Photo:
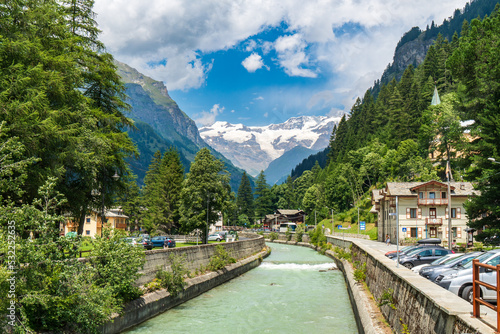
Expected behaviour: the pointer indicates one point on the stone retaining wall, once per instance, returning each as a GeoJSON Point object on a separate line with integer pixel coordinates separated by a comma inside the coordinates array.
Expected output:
{"type": "Point", "coordinates": [416, 305]}
{"type": "Point", "coordinates": [198, 256]}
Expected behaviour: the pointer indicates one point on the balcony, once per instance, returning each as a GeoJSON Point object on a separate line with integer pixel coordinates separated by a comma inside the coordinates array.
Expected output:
{"type": "Point", "coordinates": [433, 201]}
{"type": "Point", "coordinates": [433, 221]}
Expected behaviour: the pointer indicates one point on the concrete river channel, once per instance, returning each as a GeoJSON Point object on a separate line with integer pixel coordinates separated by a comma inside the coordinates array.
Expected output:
{"type": "Point", "coordinates": [294, 290]}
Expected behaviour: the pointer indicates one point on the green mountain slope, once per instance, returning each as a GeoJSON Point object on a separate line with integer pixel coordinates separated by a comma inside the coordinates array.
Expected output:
{"type": "Point", "coordinates": [161, 124]}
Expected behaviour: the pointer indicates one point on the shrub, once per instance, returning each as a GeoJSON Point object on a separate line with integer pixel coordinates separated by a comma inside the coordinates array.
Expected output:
{"type": "Point", "coordinates": [172, 280]}
{"type": "Point", "coordinates": [360, 271]}
{"type": "Point", "coordinates": [273, 236]}
{"type": "Point", "coordinates": [220, 259]}
{"type": "Point", "coordinates": [288, 234]}
{"type": "Point", "coordinates": [299, 232]}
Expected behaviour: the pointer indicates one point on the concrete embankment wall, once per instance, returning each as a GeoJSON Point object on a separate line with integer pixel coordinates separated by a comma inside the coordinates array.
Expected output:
{"type": "Point", "coordinates": [413, 304]}
{"type": "Point", "coordinates": [249, 254]}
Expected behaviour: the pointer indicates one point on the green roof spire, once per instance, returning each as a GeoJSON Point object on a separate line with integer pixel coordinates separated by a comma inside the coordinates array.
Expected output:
{"type": "Point", "coordinates": [435, 98]}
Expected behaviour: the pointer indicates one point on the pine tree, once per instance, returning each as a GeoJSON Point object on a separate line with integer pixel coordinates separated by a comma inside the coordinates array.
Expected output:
{"type": "Point", "coordinates": [204, 193]}
{"type": "Point", "coordinates": [263, 203]}
{"type": "Point", "coordinates": [244, 198]}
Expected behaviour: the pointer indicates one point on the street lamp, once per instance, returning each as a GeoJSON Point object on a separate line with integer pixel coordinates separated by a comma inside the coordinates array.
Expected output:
{"type": "Point", "coordinates": [115, 178]}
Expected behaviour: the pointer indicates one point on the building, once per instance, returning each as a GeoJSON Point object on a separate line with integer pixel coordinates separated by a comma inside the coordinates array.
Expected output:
{"type": "Point", "coordinates": [273, 221]}
{"type": "Point", "coordinates": [422, 208]}
{"type": "Point", "coordinates": [115, 219]}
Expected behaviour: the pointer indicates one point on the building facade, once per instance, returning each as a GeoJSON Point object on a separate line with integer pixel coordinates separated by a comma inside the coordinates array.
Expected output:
{"type": "Point", "coordinates": [114, 219]}
{"type": "Point", "coordinates": [422, 209]}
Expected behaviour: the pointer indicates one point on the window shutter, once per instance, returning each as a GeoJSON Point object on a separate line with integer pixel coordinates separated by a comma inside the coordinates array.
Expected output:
{"type": "Point", "coordinates": [419, 232]}
{"type": "Point", "coordinates": [446, 233]}
{"type": "Point", "coordinates": [446, 213]}
{"type": "Point", "coordinates": [407, 213]}
{"type": "Point", "coordinates": [459, 232]}
{"type": "Point", "coordinates": [419, 213]}
{"type": "Point", "coordinates": [459, 213]}
{"type": "Point", "coordinates": [408, 232]}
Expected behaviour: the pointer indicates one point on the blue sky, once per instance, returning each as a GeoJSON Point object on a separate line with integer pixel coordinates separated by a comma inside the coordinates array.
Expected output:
{"type": "Point", "coordinates": [258, 62]}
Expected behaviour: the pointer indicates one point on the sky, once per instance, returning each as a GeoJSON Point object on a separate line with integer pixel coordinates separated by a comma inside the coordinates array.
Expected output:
{"type": "Point", "coordinates": [259, 62]}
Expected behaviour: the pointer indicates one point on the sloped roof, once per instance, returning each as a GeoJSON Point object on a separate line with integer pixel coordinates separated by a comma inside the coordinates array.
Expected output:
{"type": "Point", "coordinates": [290, 212]}
{"type": "Point", "coordinates": [411, 188]}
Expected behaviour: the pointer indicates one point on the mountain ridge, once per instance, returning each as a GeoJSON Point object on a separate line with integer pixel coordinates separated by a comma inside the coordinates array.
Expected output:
{"type": "Point", "coordinates": [253, 148]}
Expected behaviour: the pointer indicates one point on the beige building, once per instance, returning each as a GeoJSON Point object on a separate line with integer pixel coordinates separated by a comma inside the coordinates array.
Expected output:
{"type": "Point", "coordinates": [422, 210]}
{"type": "Point", "coordinates": [115, 219]}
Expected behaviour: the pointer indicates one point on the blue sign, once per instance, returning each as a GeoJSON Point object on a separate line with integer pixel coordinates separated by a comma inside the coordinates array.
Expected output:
{"type": "Point", "coordinates": [362, 226]}
{"type": "Point", "coordinates": [404, 229]}
{"type": "Point", "coordinates": [339, 227]}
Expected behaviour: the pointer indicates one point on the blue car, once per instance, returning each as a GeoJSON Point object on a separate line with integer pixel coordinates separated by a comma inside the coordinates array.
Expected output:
{"type": "Point", "coordinates": [163, 241]}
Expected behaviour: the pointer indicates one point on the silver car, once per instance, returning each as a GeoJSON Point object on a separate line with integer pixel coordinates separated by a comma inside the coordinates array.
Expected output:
{"type": "Point", "coordinates": [459, 281]}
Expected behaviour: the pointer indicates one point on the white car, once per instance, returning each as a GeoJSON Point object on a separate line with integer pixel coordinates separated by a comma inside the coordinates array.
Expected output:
{"type": "Point", "coordinates": [441, 260]}
{"type": "Point", "coordinates": [459, 281]}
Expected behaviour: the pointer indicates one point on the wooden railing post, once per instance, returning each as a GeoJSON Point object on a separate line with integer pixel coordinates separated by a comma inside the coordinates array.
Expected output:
{"type": "Point", "coordinates": [498, 296]}
{"type": "Point", "coordinates": [475, 288]}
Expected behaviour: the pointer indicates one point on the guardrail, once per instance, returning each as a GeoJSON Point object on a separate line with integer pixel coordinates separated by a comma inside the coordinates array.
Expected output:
{"type": "Point", "coordinates": [476, 290]}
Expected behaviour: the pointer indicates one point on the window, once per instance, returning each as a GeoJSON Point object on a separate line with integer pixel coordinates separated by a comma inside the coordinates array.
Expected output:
{"type": "Point", "coordinates": [432, 213]}
{"type": "Point", "coordinates": [440, 252]}
{"type": "Point", "coordinates": [87, 232]}
{"type": "Point", "coordinates": [421, 195]}
{"type": "Point", "coordinates": [494, 261]}
{"type": "Point", "coordinates": [413, 213]}
{"type": "Point", "coordinates": [413, 232]}
{"type": "Point", "coordinates": [427, 252]}
{"type": "Point", "coordinates": [453, 229]}
{"type": "Point", "coordinates": [87, 220]}
{"type": "Point", "coordinates": [453, 212]}
{"type": "Point", "coordinates": [432, 195]}
{"type": "Point", "coordinates": [443, 194]}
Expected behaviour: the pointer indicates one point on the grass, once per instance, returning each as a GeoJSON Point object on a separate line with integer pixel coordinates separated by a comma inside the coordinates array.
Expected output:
{"type": "Point", "coordinates": [371, 230]}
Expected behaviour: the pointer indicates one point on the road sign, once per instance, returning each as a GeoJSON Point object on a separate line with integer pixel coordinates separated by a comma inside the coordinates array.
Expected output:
{"type": "Point", "coordinates": [404, 229]}
{"type": "Point", "coordinates": [362, 226]}
{"type": "Point", "coordinates": [339, 227]}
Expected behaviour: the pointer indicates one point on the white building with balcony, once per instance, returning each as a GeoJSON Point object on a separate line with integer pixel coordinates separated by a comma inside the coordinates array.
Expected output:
{"type": "Point", "coordinates": [422, 210]}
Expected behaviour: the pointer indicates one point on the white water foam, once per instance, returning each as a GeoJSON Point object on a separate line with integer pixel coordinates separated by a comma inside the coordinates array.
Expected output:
{"type": "Point", "coordinates": [296, 266]}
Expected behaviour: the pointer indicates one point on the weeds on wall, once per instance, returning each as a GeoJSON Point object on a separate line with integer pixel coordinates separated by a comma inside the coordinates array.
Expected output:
{"type": "Point", "coordinates": [172, 280]}
{"type": "Point", "coordinates": [387, 298]}
{"type": "Point", "coordinates": [220, 259]}
{"type": "Point", "coordinates": [299, 232]}
{"type": "Point", "coordinates": [359, 271]}
{"type": "Point", "coordinates": [341, 253]}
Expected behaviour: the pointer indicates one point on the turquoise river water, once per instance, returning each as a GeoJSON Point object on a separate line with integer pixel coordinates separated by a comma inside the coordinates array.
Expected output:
{"type": "Point", "coordinates": [287, 293]}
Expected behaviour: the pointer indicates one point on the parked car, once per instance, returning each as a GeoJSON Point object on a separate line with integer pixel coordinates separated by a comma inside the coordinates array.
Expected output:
{"type": "Point", "coordinates": [215, 237]}
{"type": "Point", "coordinates": [158, 241]}
{"type": "Point", "coordinates": [433, 271]}
{"type": "Point", "coordinates": [146, 242]}
{"type": "Point", "coordinates": [459, 281]}
{"type": "Point", "coordinates": [436, 262]}
{"type": "Point", "coordinates": [423, 255]}
{"type": "Point", "coordinates": [169, 242]}
{"type": "Point", "coordinates": [428, 242]}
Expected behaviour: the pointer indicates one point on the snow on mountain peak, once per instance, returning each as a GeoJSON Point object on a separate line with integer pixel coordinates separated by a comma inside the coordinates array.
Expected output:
{"type": "Point", "coordinates": [253, 148]}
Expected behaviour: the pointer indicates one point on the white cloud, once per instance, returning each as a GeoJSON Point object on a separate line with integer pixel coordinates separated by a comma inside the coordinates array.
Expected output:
{"type": "Point", "coordinates": [180, 31]}
{"type": "Point", "coordinates": [259, 98]}
{"type": "Point", "coordinates": [253, 62]}
{"type": "Point", "coordinates": [206, 118]}
{"type": "Point", "coordinates": [292, 56]}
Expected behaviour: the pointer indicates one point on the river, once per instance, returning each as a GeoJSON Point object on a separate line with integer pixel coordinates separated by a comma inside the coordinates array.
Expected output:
{"type": "Point", "coordinates": [293, 291]}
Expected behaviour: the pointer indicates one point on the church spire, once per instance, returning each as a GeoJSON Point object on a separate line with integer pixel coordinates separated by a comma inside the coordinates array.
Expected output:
{"type": "Point", "coordinates": [435, 98]}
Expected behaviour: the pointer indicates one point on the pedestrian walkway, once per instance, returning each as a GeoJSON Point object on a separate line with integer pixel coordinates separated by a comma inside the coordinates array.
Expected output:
{"type": "Point", "coordinates": [488, 316]}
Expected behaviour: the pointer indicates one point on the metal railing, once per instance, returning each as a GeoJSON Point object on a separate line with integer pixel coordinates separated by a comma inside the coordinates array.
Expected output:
{"type": "Point", "coordinates": [476, 290]}
{"type": "Point", "coordinates": [432, 201]}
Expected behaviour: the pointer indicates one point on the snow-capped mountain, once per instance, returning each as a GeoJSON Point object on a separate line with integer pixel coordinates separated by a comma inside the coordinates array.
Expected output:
{"type": "Point", "coordinates": [253, 148]}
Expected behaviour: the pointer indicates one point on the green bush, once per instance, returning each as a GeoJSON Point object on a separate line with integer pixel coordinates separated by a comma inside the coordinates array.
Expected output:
{"type": "Point", "coordinates": [220, 259]}
{"type": "Point", "coordinates": [288, 234]}
{"type": "Point", "coordinates": [299, 232]}
{"type": "Point", "coordinates": [172, 280]}
{"type": "Point", "coordinates": [273, 236]}
{"type": "Point", "coordinates": [359, 271]}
